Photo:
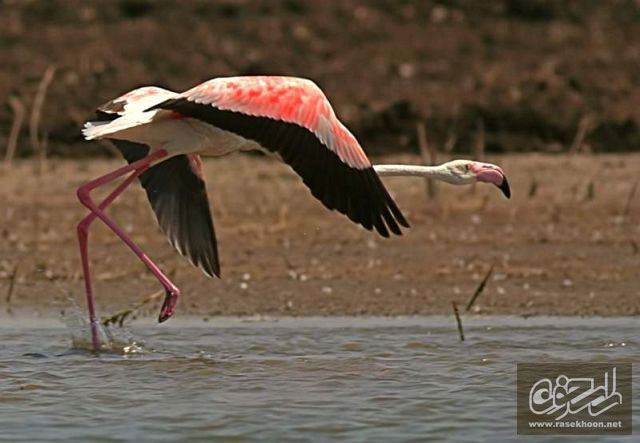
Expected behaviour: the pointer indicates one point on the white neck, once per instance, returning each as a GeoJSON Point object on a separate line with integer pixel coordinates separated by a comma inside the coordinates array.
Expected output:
{"type": "Point", "coordinates": [438, 172]}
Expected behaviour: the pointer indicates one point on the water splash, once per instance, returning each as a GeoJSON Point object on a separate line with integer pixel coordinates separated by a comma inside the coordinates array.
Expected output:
{"type": "Point", "coordinates": [118, 341]}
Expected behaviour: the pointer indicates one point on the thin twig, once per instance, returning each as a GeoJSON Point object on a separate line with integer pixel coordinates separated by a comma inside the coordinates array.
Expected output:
{"type": "Point", "coordinates": [18, 112]}
{"type": "Point", "coordinates": [584, 127]}
{"type": "Point", "coordinates": [458, 320]}
{"type": "Point", "coordinates": [429, 156]}
{"type": "Point", "coordinates": [479, 289]}
{"type": "Point", "coordinates": [36, 111]}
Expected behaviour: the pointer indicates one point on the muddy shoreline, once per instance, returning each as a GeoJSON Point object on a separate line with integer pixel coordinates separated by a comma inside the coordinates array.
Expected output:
{"type": "Point", "coordinates": [565, 244]}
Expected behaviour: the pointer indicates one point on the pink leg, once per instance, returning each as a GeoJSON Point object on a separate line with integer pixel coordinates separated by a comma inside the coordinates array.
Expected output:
{"type": "Point", "coordinates": [97, 211]}
{"type": "Point", "coordinates": [83, 234]}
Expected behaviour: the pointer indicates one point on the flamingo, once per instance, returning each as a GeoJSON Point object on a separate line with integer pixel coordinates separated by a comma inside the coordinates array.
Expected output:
{"type": "Point", "coordinates": [162, 134]}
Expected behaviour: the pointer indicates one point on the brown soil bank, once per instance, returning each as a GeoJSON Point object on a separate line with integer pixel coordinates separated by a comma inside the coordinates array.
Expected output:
{"type": "Point", "coordinates": [528, 71]}
{"type": "Point", "coordinates": [566, 243]}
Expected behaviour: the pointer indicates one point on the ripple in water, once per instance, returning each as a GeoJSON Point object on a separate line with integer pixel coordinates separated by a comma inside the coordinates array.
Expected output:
{"type": "Point", "coordinates": [346, 379]}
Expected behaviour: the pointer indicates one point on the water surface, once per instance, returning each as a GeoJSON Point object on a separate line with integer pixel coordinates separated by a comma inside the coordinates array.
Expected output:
{"type": "Point", "coordinates": [313, 379]}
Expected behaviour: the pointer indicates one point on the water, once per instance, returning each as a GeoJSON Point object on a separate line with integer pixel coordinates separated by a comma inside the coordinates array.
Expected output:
{"type": "Point", "coordinates": [318, 379]}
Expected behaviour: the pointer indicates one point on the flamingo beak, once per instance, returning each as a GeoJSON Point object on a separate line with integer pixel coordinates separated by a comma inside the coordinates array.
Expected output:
{"type": "Point", "coordinates": [504, 187]}
{"type": "Point", "coordinates": [492, 174]}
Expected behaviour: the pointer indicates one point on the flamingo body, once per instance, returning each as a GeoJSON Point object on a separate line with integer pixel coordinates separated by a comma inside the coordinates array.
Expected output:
{"type": "Point", "coordinates": [162, 134]}
{"type": "Point", "coordinates": [290, 117]}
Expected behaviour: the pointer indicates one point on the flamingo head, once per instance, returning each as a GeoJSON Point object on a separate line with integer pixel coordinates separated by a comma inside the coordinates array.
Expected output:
{"type": "Point", "coordinates": [468, 171]}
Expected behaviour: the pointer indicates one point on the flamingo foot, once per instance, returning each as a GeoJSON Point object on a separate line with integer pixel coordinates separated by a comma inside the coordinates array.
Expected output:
{"type": "Point", "coordinates": [169, 305]}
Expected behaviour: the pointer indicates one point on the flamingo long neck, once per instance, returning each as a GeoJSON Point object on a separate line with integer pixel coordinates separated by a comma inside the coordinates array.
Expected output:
{"type": "Point", "coordinates": [439, 172]}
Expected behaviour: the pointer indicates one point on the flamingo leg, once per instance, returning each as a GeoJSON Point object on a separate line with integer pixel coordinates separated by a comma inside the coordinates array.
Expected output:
{"type": "Point", "coordinates": [84, 191]}
{"type": "Point", "coordinates": [83, 234]}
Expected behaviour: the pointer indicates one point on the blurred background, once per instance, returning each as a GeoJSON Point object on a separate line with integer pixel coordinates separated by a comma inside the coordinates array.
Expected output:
{"type": "Point", "coordinates": [547, 89]}
{"type": "Point", "coordinates": [530, 74]}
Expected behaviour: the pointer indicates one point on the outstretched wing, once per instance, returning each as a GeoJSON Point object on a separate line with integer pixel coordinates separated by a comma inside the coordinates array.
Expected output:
{"type": "Point", "coordinates": [176, 190]}
{"type": "Point", "coordinates": [292, 117]}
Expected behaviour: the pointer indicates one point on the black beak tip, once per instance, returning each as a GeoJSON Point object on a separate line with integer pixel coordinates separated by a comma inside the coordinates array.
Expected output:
{"type": "Point", "coordinates": [504, 187]}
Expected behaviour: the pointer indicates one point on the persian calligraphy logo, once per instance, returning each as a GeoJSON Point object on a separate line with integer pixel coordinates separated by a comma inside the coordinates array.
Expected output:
{"type": "Point", "coordinates": [574, 398]}
{"type": "Point", "coordinates": [573, 395]}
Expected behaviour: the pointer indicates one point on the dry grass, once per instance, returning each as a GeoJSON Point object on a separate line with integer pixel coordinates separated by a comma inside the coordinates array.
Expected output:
{"type": "Point", "coordinates": [18, 116]}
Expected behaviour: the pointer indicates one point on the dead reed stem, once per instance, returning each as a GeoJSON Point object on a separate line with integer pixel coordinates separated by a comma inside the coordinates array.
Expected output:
{"type": "Point", "coordinates": [479, 289]}
{"type": "Point", "coordinates": [38, 145]}
{"type": "Point", "coordinates": [458, 320]}
{"type": "Point", "coordinates": [18, 117]}
{"type": "Point", "coordinates": [36, 114]}
{"type": "Point", "coordinates": [584, 127]}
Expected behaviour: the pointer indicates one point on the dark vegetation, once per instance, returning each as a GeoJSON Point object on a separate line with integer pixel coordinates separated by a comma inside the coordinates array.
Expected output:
{"type": "Point", "coordinates": [529, 72]}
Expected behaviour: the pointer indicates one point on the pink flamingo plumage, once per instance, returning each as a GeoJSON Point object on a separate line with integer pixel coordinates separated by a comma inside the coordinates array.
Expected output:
{"type": "Point", "coordinates": [163, 133]}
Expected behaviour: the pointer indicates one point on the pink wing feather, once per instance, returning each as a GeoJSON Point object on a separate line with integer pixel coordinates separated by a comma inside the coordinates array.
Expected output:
{"type": "Point", "coordinates": [290, 99]}
{"type": "Point", "coordinates": [293, 118]}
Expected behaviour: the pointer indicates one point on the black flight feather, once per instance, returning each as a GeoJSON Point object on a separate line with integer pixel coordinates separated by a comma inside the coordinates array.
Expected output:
{"type": "Point", "coordinates": [357, 193]}
{"type": "Point", "coordinates": [179, 200]}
